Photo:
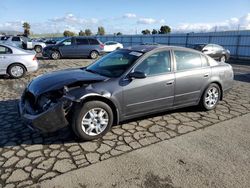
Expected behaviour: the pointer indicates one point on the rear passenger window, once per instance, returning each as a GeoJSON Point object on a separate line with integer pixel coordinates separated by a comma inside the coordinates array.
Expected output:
{"type": "Point", "coordinates": [93, 42]}
{"type": "Point", "coordinates": [82, 41]}
{"type": "Point", "coordinates": [187, 60]}
{"type": "Point", "coordinates": [16, 39]}
{"type": "Point", "coordinates": [5, 50]}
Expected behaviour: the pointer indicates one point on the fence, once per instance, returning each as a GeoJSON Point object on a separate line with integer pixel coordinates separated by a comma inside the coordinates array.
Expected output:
{"type": "Point", "coordinates": [238, 42]}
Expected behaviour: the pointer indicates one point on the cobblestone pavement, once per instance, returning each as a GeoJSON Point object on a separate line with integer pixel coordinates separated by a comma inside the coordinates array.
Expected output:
{"type": "Point", "coordinates": [27, 157]}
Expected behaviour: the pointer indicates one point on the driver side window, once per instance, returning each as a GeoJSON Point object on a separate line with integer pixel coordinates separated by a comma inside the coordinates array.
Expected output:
{"type": "Point", "coordinates": [67, 42]}
{"type": "Point", "coordinates": [157, 63]}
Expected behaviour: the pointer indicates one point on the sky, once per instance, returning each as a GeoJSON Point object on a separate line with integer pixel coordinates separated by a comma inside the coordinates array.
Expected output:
{"type": "Point", "coordinates": [126, 16]}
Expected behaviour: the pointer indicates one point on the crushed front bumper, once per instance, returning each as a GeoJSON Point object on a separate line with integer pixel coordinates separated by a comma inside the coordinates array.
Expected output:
{"type": "Point", "coordinates": [50, 120]}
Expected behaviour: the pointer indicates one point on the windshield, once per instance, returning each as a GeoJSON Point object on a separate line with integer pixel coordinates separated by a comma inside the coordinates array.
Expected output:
{"type": "Point", "coordinates": [115, 63]}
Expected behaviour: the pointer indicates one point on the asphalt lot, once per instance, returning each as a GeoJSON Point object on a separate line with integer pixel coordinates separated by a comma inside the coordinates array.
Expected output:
{"type": "Point", "coordinates": [27, 158]}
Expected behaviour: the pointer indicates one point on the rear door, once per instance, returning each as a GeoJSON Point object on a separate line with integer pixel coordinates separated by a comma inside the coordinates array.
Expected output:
{"type": "Point", "coordinates": [153, 93]}
{"type": "Point", "coordinates": [5, 58]}
{"type": "Point", "coordinates": [192, 74]}
{"type": "Point", "coordinates": [94, 44]}
{"type": "Point", "coordinates": [82, 47]}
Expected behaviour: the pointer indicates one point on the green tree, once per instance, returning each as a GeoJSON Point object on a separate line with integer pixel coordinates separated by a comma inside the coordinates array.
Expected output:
{"type": "Point", "coordinates": [82, 33]}
{"type": "Point", "coordinates": [26, 27]}
{"type": "Point", "coordinates": [101, 31]}
{"type": "Point", "coordinates": [88, 32]}
{"type": "Point", "coordinates": [154, 32]}
{"type": "Point", "coordinates": [164, 29]}
{"type": "Point", "coordinates": [67, 33]}
{"type": "Point", "coordinates": [146, 32]}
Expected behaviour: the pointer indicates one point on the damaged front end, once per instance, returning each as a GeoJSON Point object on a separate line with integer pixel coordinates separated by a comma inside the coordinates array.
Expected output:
{"type": "Point", "coordinates": [46, 112]}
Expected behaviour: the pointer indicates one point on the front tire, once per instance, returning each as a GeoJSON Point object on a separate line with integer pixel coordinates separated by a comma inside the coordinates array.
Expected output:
{"type": "Point", "coordinates": [211, 97]}
{"type": "Point", "coordinates": [38, 49]}
{"type": "Point", "coordinates": [55, 55]}
{"type": "Point", "coordinates": [92, 120]}
{"type": "Point", "coordinates": [16, 71]}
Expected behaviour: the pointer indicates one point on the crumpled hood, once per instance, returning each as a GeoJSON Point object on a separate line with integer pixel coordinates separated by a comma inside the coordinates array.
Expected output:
{"type": "Point", "coordinates": [59, 79]}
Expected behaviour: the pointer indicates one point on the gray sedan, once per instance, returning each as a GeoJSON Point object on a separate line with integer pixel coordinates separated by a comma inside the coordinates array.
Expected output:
{"type": "Point", "coordinates": [122, 85]}
{"type": "Point", "coordinates": [15, 61]}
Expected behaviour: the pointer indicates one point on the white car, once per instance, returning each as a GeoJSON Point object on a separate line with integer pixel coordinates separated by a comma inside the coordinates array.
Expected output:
{"type": "Point", "coordinates": [111, 46]}
{"type": "Point", "coordinates": [15, 62]}
{"type": "Point", "coordinates": [23, 42]}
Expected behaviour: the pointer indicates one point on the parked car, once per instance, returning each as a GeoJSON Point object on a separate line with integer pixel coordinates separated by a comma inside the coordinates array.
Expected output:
{"type": "Point", "coordinates": [214, 50]}
{"type": "Point", "coordinates": [124, 84]}
{"type": "Point", "coordinates": [111, 46]}
{"type": "Point", "coordinates": [24, 42]}
{"type": "Point", "coordinates": [50, 41]}
{"type": "Point", "coordinates": [15, 62]}
{"type": "Point", "coordinates": [75, 47]}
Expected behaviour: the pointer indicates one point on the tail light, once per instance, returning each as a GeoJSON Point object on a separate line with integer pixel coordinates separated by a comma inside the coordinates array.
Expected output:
{"type": "Point", "coordinates": [34, 58]}
{"type": "Point", "coordinates": [101, 45]}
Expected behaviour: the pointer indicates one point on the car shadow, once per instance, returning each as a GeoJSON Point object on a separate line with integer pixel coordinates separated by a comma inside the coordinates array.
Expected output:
{"type": "Point", "coordinates": [13, 132]}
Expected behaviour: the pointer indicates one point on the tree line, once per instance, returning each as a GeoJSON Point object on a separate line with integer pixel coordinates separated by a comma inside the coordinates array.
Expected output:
{"type": "Point", "coordinates": [163, 30]}
{"type": "Point", "coordinates": [101, 31]}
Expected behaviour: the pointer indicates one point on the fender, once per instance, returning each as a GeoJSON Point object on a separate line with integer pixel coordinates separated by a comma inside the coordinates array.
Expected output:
{"type": "Point", "coordinates": [81, 95]}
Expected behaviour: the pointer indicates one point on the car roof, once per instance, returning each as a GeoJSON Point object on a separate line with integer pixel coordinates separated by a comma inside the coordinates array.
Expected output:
{"type": "Point", "coordinates": [148, 48]}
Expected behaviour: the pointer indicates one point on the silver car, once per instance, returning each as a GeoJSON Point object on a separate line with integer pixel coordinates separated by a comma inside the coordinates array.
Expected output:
{"type": "Point", "coordinates": [23, 42]}
{"type": "Point", "coordinates": [15, 61]}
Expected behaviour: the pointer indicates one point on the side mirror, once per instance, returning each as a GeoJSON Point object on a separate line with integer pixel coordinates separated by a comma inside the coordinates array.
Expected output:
{"type": "Point", "coordinates": [205, 50]}
{"type": "Point", "coordinates": [137, 75]}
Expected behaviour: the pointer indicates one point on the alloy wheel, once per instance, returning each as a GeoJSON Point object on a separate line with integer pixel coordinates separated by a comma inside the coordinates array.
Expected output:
{"type": "Point", "coordinates": [212, 97]}
{"type": "Point", "coordinates": [95, 121]}
{"type": "Point", "coordinates": [17, 71]}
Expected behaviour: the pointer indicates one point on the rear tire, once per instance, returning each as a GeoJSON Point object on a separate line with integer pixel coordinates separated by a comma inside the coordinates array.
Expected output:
{"type": "Point", "coordinates": [92, 120]}
{"type": "Point", "coordinates": [210, 97]}
{"type": "Point", "coordinates": [55, 55]}
{"type": "Point", "coordinates": [94, 55]}
{"type": "Point", "coordinates": [16, 71]}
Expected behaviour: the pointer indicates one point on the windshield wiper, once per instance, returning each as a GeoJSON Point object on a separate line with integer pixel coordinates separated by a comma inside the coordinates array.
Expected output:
{"type": "Point", "coordinates": [95, 72]}
{"type": "Point", "coordinates": [92, 71]}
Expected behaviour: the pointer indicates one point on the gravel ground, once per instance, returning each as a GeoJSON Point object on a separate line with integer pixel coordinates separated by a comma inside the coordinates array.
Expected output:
{"type": "Point", "coordinates": [27, 157]}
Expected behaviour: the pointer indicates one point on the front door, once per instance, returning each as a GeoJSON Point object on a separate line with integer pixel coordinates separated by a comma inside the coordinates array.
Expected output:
{"type": "Point", "coordinates": [153, 93]}
{"type": "Point", "coordinates": [67, 48]}
{"type": "Point", "coordinates": [82, 47]}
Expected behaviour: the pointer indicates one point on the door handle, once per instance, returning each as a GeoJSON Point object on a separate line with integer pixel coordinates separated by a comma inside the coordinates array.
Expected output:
{"type": "Point", "coordinates": [170, 82]}
{"type": "Point", "coordinates": [206, 75]}
{"type": "Point", "coordinates": [2, 57]}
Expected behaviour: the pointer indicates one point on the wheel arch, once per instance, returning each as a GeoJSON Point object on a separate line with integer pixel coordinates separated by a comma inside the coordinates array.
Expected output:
{"type": "Point", "coordinates": [94, 50]}
{"type": "Point", "coordinates": [217, 83]}
{"type": "Point", "coordinates": [108, 102]}
{"type": "Point", "coordinates": [16, 63]}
